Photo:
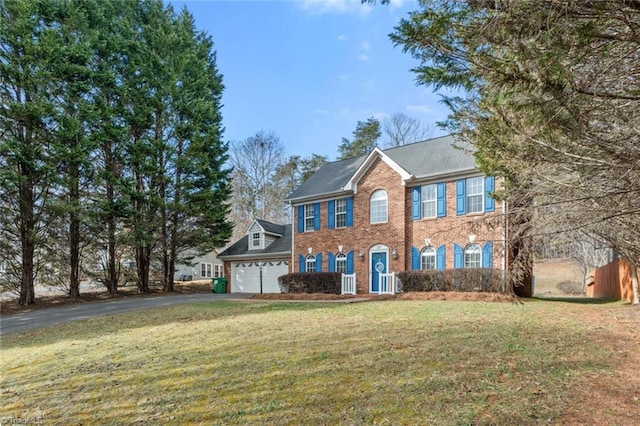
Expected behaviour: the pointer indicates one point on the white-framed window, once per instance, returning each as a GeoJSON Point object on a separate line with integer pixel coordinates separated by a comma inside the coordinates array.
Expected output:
{"type": "Point", "coordinates": [341, 263]}
{"type": "Point", "coordinates": [429, 200]}
{"type": "Point", "coordinates": [378, 206]}
{"type": "Point", "coordinates": [475, 194]}
{"type": "Point", "coordinates": [472, 256]}
{"type": "Point", "coordinates": [255, 239]}
{"type": "Point", "coordinates": [341, 213]}
{"type": "Point", "coordinates": [218, 271]}
{"type": "Point", "coordinates": [428, 258]}
{"type": "Point", "coordinates": [206, 270]}
{"type": "Point", "coordinates": [310, 263]}
{"type": "Point", "coordinates": [309, 217]}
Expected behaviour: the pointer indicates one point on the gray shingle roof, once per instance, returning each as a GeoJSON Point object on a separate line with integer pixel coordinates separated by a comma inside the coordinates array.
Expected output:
{"type": "Point", "coordinates": [280, 245]}
{"type": "Point", "coordinates": [271, 228]}
{"type": "Point", "coordinates": [328, 179]}
{"type": "Point", "coordinates": [432, 157]}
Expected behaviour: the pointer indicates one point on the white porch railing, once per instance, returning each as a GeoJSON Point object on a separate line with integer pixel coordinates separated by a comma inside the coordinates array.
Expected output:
{"type": "Point", "coordinates": [387, 283]}
{"type": "Point", "coordinates": [349, 283]}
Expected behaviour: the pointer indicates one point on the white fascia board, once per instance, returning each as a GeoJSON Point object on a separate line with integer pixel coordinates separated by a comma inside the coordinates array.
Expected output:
{"type": "Point", "coordinates": [249, 256]}
{"type": "Point", "coordinates": [320, 198]}
{"type": "Point", "coordinates": [439, 177]}
{"type": "Point", "coordinates": [352, 184]}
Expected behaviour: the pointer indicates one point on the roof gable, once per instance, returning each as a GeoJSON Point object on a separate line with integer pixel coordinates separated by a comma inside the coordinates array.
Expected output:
{"type": "Point", "coordinates": [352, 184]}
{"type": "Point", "coordinates": [281, 245]}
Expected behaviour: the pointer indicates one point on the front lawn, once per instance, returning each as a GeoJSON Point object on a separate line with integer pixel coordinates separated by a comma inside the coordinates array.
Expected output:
{"type": "Point", "coordinates": [391, 362]}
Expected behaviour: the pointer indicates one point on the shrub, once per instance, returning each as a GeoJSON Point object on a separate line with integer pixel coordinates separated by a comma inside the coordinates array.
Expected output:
{"type": "Point", "coordinates": [311, 282]}
{"type": "Point", "coordinates": [570, 287]}
{"type": "Point", "coordinates": [477, 279]}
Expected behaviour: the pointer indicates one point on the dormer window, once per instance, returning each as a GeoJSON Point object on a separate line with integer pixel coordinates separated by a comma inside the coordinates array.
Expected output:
{"type": "Point", "coordinates": [255, 240]}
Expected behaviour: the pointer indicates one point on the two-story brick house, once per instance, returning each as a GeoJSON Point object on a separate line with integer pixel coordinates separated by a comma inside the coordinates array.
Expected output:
{"type": "Point", "coordinates": [418, 206]}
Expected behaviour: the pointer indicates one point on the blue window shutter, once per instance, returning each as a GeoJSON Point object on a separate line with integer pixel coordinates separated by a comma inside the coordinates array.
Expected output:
{"type": "Point", "coordinates": [441, 254]}
{"type": "Point", "coordinates": [458, 256]}
{"type": "Point", "coordinates": [319, 262]}
{"type": "Point", "coordinates": [442, 199]}
{"type": "Point", "coordinates": [332, 262]}
{"type": "Point", "coordinates": [302, 263]}
{"type": "Point", "coordinates": [331, 214]}
{"type": "Point", "coordinates": [316, 216]}
{"type": "Point", "coordinates": [300, 218]}
{"type": "Point", "coordinates": [460, 197]}
{"type": "Point", "coordinates": [349, 218]}
{"type": "Point", "coordinates": [415, 258]}
{"type": "Point", "coordinates": [415, 202]}
{"type": "Point", "coordinates": [489, 185]}
{"type": "Point", "coordinates": [487, 255]}
{"type": "Point", "coordinates": [350, 262]}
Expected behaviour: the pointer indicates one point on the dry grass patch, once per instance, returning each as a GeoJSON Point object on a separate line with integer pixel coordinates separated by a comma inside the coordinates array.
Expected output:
{"type": "Point", "coordinates": [396, 362]}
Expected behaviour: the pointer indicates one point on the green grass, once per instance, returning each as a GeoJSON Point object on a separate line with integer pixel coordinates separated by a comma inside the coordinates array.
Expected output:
{"type": "Point", "coordinates": [289, 363]}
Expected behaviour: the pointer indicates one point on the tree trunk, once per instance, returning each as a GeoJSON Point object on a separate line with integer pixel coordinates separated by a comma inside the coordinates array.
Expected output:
{"type": "Point", "coordinates": [111, 279]}
{"type": "Point", "coordinates": [143, 260]}
{"type": "Point", "coordinates": [27, 240]}
{"type": "Point", "coordinates": [74, 234]}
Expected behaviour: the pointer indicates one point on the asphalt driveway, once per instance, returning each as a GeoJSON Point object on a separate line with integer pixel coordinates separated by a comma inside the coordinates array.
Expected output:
{"type": "Point", "coordinates": [45, 317]}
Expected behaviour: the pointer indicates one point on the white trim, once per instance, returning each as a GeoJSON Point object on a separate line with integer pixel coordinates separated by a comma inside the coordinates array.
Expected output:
{"type": "Point", "coordinates": [352, 184]}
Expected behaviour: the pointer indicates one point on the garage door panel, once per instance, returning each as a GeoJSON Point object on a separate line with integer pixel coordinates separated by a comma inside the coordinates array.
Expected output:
{"type": "Point", "coordinates": [246, 276]}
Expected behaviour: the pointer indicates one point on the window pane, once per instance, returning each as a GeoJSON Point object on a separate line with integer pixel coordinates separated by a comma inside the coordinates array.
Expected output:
{"type": "Point", "coordinates": [428, 259]}
{"type": "Point", "coordinates": [256, 239]}
{"type": "Point", "coordinates": [429, 200]}
{"type": "Point", "coordinates": [472, 256]}
{"type": "Point", "coordinates": [475, 194]}
{"type": "Point", "coordinates": [379, 207]}
{"type": "Point", "coordinates": [341, 213]}
{"type": "Point", "coordinates": [341, 263]}
{"type": "Point", "coordinates": [308, 217]}
{"type": "Point", "coordinates": [310, 264]}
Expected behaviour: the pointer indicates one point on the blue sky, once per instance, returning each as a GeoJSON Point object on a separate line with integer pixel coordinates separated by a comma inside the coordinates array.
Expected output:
{"type": "Point", "coordinates": [309, 70]}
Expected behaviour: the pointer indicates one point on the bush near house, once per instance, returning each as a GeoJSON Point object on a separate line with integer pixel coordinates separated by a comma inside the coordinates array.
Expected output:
{"type": "Point", "coordinates": [477, 279]}
{"type": "Point", "coordinates": [311, 282]}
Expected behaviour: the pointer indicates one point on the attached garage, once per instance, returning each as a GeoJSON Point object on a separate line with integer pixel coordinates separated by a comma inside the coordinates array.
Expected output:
{"type": "Point", "coordinates": [255, 262]}
{"type": "Point", "coordinates": [256, 277]}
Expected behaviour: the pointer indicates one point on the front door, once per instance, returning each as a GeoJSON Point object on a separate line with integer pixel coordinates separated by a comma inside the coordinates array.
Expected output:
{"type": "Point", "coordinates": [378, 266]}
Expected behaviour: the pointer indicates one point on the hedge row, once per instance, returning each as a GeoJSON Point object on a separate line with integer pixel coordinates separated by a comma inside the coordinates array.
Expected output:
{"type": "Point", "coordinates": [476, 279]}
{"type": "Point", "coordinates": [311, 282]}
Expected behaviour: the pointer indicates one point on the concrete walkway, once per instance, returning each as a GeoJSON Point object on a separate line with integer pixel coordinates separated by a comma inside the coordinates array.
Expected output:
{"type": "Point", "coordinates": [17, 323]}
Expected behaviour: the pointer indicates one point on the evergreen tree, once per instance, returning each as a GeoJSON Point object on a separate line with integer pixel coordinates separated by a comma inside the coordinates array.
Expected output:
{"type": "Point", "coordinates": [551, 97]}
{"type": "Point", "coordinates": [365, 139]}
{"type": "Point", "coordinates": [27, 166]}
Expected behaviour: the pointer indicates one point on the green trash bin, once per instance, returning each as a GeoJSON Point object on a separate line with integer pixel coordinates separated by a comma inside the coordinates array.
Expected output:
{"type": "Point", "coordinates": [219, 285]}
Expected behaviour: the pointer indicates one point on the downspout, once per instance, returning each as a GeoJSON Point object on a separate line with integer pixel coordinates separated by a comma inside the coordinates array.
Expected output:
{"type": "Point", "coordinates": [505, 235]}
{"type": "Point", "coordinates": [293, 237]}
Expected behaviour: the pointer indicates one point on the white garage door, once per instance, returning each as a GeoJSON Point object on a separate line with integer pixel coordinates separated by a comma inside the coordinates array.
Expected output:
{"type": "Point", "coordinates": [246, 276]}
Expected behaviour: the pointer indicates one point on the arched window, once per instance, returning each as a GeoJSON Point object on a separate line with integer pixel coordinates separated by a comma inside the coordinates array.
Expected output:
{"type": "Point", "coordinates": [310, 263]}
{"type": "Point", "coordinates": [341, 262]}
{"type": "Point", "coordinates": [378, 206]}
{"type": "Point", "coordinates": [472, 256]}
{"type": "Point", "coordinates": [428, 258]}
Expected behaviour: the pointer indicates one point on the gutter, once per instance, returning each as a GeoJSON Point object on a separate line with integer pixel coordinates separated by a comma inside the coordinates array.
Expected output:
{"type": "Point", "coordinates": [249, 256]}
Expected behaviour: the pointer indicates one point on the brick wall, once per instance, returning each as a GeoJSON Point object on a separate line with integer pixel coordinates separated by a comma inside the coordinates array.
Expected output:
{"type": "Point", "coordinates": [455, 229]}
{"type": "Point", "coordinates": [400, 232]}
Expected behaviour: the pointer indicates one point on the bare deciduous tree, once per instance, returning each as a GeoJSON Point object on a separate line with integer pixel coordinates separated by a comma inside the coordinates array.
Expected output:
{"type": "Point", "coordinates": [400, 129]}
{"type": "Point", "coordinates": [255, 162]}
